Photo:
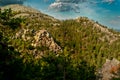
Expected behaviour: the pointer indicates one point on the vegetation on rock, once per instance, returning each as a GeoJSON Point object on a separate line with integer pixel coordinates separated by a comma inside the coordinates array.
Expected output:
{"type": "Point", "coordinates": [38, 47]}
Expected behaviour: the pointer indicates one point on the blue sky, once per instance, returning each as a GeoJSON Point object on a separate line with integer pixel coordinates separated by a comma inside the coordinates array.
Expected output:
{"type": "Point", "coordinates": [106, 12]}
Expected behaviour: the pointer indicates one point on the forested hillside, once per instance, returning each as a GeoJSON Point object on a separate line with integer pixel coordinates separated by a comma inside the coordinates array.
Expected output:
{"type": "Point", "coordinates": [35, 46]}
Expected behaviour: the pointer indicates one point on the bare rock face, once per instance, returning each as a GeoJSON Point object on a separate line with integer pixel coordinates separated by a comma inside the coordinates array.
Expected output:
{"type": "Point", "coordinates": [110, 69]}
{"type": "Point", "coordinates": [43, 38]}
{"type": "Point", "coordinates": [39, 38]}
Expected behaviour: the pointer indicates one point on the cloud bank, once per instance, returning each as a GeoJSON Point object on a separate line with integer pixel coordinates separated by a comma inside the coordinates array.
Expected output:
{"type": "Point", "coordinates": [108, 1]}
{"type": "Point", "coordinates": [66, 5]}
{"type": "Point", "coordinates": [74, 5]}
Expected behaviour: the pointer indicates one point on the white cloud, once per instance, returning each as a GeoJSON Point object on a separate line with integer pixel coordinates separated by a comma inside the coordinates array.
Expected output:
{"type": "Point", "coordinates": [66, 5]}
{"type": "Point", "coordinates": [118, 16]}
{"type": "Point", "coordinates": [108, 1]}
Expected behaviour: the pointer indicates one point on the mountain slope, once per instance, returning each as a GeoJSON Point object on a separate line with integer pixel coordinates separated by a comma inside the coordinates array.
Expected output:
{"type": "Point", "coordinates": [78, 36]}
{"type": "Point", "coordinates": [68, 45]}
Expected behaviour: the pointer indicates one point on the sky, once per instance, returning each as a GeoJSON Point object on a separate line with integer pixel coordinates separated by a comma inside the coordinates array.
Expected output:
{"type": "Point", "coordinates": [106, 12]}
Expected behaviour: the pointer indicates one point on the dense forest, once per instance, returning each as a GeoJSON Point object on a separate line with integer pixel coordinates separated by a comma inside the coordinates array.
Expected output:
{"type": "Point", "coordinates": [84, 47]}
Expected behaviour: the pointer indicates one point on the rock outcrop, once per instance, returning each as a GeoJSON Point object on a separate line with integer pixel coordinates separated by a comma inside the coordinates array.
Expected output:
{"type": "Point", "coordinates": [39, 38]}
{"type": "Point", "coordinates": [43, 38]}
{"type": "Point", "coordinates": [109, 70]}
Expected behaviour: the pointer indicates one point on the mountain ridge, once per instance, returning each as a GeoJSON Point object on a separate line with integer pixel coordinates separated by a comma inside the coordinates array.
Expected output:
{"type": "Point", "coordinates": [70, 46]}
{"type": "Point", "coordinates": [42, 22]}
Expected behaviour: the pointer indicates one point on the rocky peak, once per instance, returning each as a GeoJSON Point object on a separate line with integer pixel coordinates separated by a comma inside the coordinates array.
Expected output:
{"type": "Point", "coordinates": [109, 36]}
{"type": "Point", "coordinates": [20, 8]}
{"type": "Point", "coordinates": [29, 12]}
